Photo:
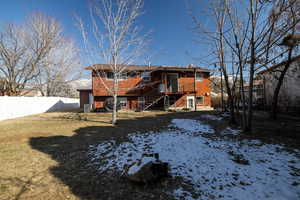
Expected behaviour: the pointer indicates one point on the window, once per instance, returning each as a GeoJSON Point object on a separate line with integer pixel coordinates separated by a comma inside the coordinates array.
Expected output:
{"type": "Point", "coordinates": [200, 100]}
{"type": "Point", "coordinates": [132, 74]}
{"type": "Point", "coordinates": [123, 76]}
{"type": "Point", "coordinates": [146, 76]}
{"type": "Point", "coordinates": [141, 102]}
{"type": "Point", "coordinates": [122, 101]}
{"type": "Point", "coordinates": [110, 75]}
{"type": "Point", "coordinates": [199, 76]}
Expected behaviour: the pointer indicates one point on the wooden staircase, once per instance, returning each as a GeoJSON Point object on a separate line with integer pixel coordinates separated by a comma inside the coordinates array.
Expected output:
{"type": "Point", "coordinates": [151, 101]}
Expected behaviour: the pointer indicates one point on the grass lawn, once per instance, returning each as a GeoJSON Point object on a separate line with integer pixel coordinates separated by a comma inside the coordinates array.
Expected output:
{"type": "Point", "coordinates": [44, 156]}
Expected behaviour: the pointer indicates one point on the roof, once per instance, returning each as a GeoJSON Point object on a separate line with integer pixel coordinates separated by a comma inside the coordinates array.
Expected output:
{"type": "Point", "coordinates": [84, 89]}
{"type": "Point", "coordinates": [255, 82]}
{"type": "Point", "coordinates": [278, 65]}
{"type": "Point", "coordinates": [148, 68]}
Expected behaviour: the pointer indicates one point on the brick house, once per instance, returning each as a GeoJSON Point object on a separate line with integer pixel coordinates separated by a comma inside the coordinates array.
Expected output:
{"type": "Point", "coordinates": [150, 87]}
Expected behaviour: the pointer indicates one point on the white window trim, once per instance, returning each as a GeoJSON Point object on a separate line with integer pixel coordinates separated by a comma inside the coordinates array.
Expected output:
{"type": "Point", "coordinates": [187, 102]}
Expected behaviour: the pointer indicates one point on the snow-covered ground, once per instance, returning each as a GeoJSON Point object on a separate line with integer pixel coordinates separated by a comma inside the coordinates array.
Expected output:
{"type": "Point", "coordinates": [212, 117]}
{"type": "Point", "coordinates": [214, 168]}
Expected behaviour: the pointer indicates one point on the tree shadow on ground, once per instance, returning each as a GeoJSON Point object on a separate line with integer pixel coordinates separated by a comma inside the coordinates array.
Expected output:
{"type": "Point", "coordinates": [82, 179]}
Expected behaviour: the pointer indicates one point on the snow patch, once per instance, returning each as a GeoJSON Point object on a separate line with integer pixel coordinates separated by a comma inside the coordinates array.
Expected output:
{"type": "Point", "coordinates": [231, 131]}
{"type": "Point", "coordinates": [212, 117]}
{"type": "Point", "coordinates": [192, 125]}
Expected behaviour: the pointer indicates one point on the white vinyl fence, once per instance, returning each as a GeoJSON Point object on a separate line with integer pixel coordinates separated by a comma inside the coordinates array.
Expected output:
{"type": "Point", "coordinates": [11, 107]}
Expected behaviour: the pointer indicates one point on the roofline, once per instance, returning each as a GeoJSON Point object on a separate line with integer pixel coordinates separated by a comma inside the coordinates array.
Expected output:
{"type": "Point", "coordinates": [278, 65]}
{"type": "Point", "coordinates": [155, 68]}
{"type": "Point", "coordinates": [84, 89]}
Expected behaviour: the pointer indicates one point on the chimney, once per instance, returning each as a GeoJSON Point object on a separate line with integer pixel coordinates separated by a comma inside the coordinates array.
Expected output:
{"type": "Point", "coordinates": [191, 66]}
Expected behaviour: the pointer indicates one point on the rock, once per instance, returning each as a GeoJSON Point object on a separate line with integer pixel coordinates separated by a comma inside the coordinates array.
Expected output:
{"type": "Point", "coordinates": [147, 170]}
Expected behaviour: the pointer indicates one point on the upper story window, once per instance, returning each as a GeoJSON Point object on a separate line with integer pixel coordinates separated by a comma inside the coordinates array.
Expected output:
{"type": "Point", "coordinates": [199, 76]}
{"type": "Point", "coordinates": [132, 74]}
{"type": "Point", "coordinates": [110, 76]}
{"type": "Point", "coordinates": [146, 76]}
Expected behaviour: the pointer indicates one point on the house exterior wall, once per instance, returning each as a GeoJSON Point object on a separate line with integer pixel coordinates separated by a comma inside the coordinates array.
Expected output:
{"type": "Point", "coordinates": [84, 97]}
{"type": "Point", "coordinates": [289, 95]}
{"type": "Point", "coordinates": [186, 86]}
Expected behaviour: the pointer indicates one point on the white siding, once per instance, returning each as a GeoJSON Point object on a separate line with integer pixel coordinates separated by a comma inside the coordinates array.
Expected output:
{"type": "Point", "coordinates": [289, 95]}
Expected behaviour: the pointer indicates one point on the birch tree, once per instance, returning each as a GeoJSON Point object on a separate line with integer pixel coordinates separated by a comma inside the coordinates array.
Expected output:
{"type": "Point", "coordinates": [115, 38]}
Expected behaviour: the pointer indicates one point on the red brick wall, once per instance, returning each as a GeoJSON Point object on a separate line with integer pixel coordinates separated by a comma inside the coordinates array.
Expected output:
{"type": "Point", "coordinates": [124, 85]}
{"type": "Point", "coordinates": [186, 81]}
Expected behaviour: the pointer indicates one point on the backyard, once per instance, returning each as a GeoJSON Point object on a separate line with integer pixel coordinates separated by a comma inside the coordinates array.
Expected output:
{"type": "Point", "coordinates": [72, 155]}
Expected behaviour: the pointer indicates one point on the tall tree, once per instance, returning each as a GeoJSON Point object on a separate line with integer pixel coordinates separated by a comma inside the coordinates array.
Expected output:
{"type": "Point", "coordinates": [251, 32]}
{"type": "Point", "coordinates": [115, 39]}
{"type": "Point", "coordinates": [24, 48]}
{"type": "Point", "coordinates": [289, 17]}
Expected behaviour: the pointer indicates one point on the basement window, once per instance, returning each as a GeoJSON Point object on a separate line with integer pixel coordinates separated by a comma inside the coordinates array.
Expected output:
{"type": "Point", "coordinates": [122, 101]}
{"type": "Point", "coordinates": [200, 100]}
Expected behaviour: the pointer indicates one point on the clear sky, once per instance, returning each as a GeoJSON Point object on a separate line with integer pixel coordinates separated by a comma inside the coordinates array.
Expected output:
{"type": "Point", "coordinates": [172, 39]}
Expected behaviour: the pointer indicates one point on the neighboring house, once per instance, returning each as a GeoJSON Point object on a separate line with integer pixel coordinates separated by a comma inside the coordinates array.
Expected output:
{"type": "Point", "coordinates": [289, 96]}
{"type": "Point", "coordinates": [258, 92]}
{"type": "Point", "coordinates": [151, 87]}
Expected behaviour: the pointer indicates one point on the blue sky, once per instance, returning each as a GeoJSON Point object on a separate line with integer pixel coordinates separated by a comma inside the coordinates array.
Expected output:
{"type": "Point", "coordinates": [172, 39]}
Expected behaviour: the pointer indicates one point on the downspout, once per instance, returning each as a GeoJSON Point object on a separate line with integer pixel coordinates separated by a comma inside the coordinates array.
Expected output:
{"type": "Point", "coordinates": [93, 106]}
{"type": "Point", "coordinates": [195, 91]}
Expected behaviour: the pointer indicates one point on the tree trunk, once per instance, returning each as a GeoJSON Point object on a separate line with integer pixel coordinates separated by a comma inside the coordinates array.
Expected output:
{"type": "Point", "coordinates": [114, 113]}
{"type": "Point", "coordinates": [273, 114]}
{"type": "Point", "coordinates": [242, 95]}
{"type": "Point", "coordinates": [115, 97]}
{"type": "Point", "coordinates": [222, 96]}
{"type": "Point", "coordinates": [248, 127]}
{"type": "Point", "coordinates": [232, 120]}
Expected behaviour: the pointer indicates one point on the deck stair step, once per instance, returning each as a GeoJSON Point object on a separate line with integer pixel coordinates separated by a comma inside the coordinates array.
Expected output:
{"type": "Point", "coordinates": [150, 101]}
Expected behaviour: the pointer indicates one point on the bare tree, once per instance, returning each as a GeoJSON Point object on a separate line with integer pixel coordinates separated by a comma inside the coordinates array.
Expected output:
{"type": "Point", "coordinates": [252, 36]}
{"type": "Point", "coordinates": [115, 39]}
{"type": "Point", "coordinates": [213, 36]}
{"type": "Point", "coordinates": [23, 49]}
{"type": "Point", "coordinates": [291, 18]}
{"type": "Point", "coordinates": [60, 67]}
